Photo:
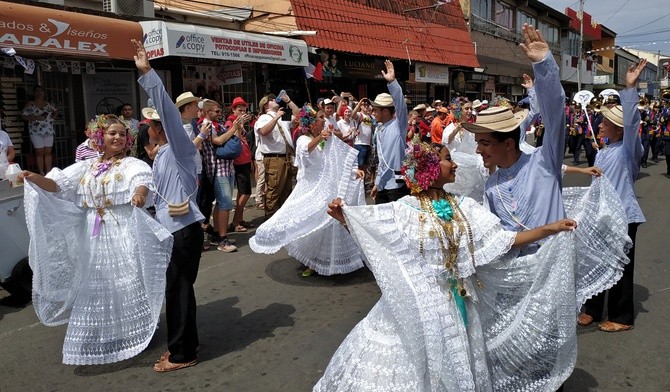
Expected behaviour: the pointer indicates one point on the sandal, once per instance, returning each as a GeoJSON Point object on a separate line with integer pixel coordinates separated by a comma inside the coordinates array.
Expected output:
{"type": "Point", "coordinates": [246, 224]}
{"type": "Point", "coordinates": [584, 319]}
{"type": "Point", "coordinates": [611, 326]}
{"type": "Point", "coordinates": [167, 366]}
{"type": "Point", "coordinates": [237, 228]}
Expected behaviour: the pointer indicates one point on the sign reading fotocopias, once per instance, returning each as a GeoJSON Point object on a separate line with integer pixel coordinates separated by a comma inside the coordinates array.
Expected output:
{"type": "Point", "coordinates": [173, 39]}
{"type": "Point", "coordinates": [25, 27]}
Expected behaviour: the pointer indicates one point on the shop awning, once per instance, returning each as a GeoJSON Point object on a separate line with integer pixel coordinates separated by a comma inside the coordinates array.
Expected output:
{"type": "Point", "coordinates": [350, 26]}
{"type": "Point", "coordinates": [40, 30]}
{"type": "Point", "coordinates": [173, 39]}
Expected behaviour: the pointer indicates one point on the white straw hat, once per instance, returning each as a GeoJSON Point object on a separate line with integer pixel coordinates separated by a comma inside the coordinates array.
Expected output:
{"type": "Point", "coordinates": [496, 119]}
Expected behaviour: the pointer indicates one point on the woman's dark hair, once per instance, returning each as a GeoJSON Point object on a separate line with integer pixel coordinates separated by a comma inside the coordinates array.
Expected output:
{"type": "Point", "coordinates": [514, 135]}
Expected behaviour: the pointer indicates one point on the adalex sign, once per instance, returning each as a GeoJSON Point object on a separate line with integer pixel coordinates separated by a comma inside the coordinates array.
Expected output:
{"type": "Point", "coordinates": [48, 30]}
{"type": "Point", "coordinates": [172, 39]}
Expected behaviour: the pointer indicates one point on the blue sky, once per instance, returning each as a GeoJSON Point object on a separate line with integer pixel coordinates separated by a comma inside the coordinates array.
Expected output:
{"type": "Point", "coordinates": [631, 20]}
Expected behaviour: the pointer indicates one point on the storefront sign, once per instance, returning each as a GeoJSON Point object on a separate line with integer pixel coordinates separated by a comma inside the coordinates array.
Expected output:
{"type": "Point", "coordinates": [105, 92]}
{"type": "Point", "coordinates": [172, 39]}
{"type": "Point", "coordinates": [431, 73]}
{"type": "Point", "coordinates": [206, 81]}
{"type": "Point", "coordinates": [40, 29]}
{"type": "Point", "coordinates": [489, 86]}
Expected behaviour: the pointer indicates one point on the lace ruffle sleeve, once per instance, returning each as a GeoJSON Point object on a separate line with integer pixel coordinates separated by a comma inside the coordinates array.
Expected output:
{"type": "Point", "coordinates": [68, 179]}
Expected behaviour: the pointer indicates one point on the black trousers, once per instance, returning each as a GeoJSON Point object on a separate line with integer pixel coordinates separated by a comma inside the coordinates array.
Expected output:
{"type": "Point", "coordinates": [205, 196]}
{"type": "Point", "coordinates": [666, 152]}
{"type": "Point", "coordinates": [620, 305]}
{"type": "Point", "coordinates": [389, 195]}
{"type": "Point", "coordinates": [180, 297]}
{"type": "Point", "coordinates": [589, 151]}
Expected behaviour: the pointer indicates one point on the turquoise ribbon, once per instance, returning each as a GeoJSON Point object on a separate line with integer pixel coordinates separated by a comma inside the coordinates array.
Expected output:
{"type": "Point", "coordinates": [460, 302]}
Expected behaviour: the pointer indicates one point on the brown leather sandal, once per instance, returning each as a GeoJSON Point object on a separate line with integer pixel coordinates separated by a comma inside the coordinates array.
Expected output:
{"type": "Point", "coordinates": [167, 366]}
{"type": "Point", "coordinates": [611, 326]}
{"type": "Point", "coordinates": [584, 319]}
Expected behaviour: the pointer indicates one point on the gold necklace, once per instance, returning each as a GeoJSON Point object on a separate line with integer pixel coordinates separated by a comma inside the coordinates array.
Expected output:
{"type": "Point", "coordinates": [101, 203]}
{"type": "Point", "coordinates": [448, 234]}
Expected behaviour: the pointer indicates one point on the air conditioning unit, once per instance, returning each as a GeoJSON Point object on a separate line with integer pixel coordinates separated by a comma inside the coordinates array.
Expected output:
{"type": "Point", "coordinates": [143, 8]}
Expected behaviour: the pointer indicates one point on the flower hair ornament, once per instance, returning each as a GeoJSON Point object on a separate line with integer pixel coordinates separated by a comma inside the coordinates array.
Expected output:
{"type": "Point", "coordinates": [421, 166]}
{"type": "Point", "coordinates": [95, 130]}
{"type": "Point", "coordinates": [455, 107]}
{"type": "Point", "coordinates": [306, 118]}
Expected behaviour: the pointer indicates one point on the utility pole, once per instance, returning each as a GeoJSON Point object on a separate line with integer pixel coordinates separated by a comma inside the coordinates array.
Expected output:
{"type": "Point", "coordinates": [581, 44]}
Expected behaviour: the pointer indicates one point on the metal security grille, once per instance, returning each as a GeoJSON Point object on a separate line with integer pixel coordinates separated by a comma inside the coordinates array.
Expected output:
{"type": "Point", "coordinates": [55, 84]}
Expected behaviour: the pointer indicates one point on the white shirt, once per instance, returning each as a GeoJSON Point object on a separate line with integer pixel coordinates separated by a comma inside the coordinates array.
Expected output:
{"type": "Point", "coordinates": [273, 142]}
{"type": "Point", "coordinates": [348, 128]}
{"type": "Point", "coordinates": [364, 136]}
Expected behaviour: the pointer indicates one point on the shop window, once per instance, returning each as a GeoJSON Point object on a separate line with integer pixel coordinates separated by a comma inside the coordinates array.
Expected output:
{"type": "Point", "coordinates": [481, 8]}
{"type": "Point", "coordinates": [522, 18]}
{"type": "Point", "coordinates": [416, 92]}
{"type": "Point", "coordinates": [550, 32]}
{"type": "Point", "coordinates": [504, 15]}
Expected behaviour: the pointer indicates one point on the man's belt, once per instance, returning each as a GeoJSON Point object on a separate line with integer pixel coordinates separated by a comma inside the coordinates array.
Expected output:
{"type": "Point", "coordinates": [274, 155]}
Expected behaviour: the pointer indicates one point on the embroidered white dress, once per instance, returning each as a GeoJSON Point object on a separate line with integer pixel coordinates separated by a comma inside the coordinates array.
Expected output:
{"type": "Point", "coordinates": [108, 288]}
{"type": "Point", "coordinates": [521, 330]}
{"type": "Point", "coordinates": [302, 225]}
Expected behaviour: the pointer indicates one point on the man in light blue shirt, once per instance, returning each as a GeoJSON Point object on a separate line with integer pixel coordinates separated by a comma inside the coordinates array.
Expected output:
{"type": "Point", "coordinates": [175, 181]}
{"type": "Point", "coordinates": [525, 191]}
{"type": "Point", "coordinates": [391, 140]}
{"type": "Point", "coordinates": [620, 163]}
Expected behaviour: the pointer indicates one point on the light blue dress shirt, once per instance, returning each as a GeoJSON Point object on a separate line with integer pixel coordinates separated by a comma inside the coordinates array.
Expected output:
{"type": "Point", "coordinates": [620, 161]}
{"type": "Point", "coordinates": [174, 168]}
{"type": "Point", "coordinates": [391, 142]}
{"type": "Point", "coordinates": [528, 193]}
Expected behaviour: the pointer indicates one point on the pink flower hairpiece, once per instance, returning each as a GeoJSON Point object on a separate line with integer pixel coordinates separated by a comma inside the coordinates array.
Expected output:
{"type": "Point", "coordinates": [421, 166]}
{"type": "Point", "coordinates": [95, 130]}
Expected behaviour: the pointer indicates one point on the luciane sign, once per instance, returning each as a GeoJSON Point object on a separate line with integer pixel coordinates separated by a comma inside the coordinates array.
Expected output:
{"type": "Point", "coordinates": [173, 39]}
{"type": "Point", "coordinates": [30, 28]}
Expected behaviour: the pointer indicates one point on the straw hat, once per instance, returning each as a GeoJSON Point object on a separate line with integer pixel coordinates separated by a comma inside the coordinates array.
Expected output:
{"type": "Point", "coordinates": [496, 119]}
{"type": "Point", "coordinates": [150, 114]}
{"type": "Point", "coordinates": [265, 100]}
{"type": "Point", "coordinates": [476, 104]}
{"type": "Point", "coordinates": [430, 109]}
{"type": "Point", "coordinates": [383, 100]}
{"type": "Point", "coordinates": [185, 98]}
{"type": "Point", "coordinates": [421, 106]}
{"type": "Point", "coordinates": [614, 114]}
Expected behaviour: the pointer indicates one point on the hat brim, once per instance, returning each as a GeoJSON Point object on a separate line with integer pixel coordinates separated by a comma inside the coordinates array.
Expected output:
{"type": "Point", "coordinates": [508, 125]}
{"type": "Point", "coordinates": [186, 101]}
{"type": "Point", "coordinates": [150, 114]}
{"type": "Point", "coordinates": [613, 118]}
{"type": "Point", "coordinates": [379, 105]}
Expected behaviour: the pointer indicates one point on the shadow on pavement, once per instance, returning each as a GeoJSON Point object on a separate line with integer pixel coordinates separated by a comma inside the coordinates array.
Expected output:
{"type": "Point", "coordinates": [223, 329]}
{"type": "Point", "coordinates": [289, 270]}
{"type": "Point", "coordinates": [580, 381]}
{"type": "Point", "coordinates": [12, 303]}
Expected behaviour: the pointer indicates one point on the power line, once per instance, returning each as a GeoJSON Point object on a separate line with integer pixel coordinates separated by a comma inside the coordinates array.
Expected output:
{"type": "Point", "coordinates": [615, 12]}
{"type": "Point", "coordinates": [648, 23]}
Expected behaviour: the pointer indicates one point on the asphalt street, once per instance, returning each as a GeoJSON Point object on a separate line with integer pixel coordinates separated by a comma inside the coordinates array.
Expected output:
{"type": "Point", "coordinates": [263, 327]}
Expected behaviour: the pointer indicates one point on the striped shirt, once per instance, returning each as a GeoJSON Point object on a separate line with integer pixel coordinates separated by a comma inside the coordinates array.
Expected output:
{"type": "Point", "coordinates": [216, 167]}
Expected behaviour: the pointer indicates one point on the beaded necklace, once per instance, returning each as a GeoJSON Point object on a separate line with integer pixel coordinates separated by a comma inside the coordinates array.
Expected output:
{"type": "Point", "coordinates": [447, 226]}
{"type": "Point", "coordinates": [101, 203]}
